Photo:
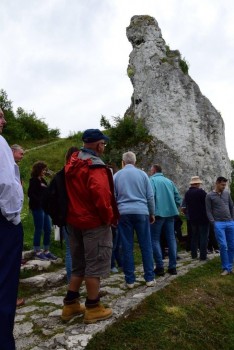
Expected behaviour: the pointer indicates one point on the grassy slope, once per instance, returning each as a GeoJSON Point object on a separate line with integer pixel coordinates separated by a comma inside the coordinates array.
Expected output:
{"type": "Point", "coordinates": [195, 312]}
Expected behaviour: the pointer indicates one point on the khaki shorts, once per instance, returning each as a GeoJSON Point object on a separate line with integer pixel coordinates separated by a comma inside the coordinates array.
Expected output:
{"type": "Point", "coordinates": [91, 251]}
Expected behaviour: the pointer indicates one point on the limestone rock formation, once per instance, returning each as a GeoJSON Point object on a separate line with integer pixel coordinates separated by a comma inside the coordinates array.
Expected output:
{"type": "Point", "coordinates": [188, 132]}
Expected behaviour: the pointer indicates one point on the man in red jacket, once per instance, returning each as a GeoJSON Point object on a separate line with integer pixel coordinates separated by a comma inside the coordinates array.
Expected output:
{"type": "Point", "coordinates": [91, 212]}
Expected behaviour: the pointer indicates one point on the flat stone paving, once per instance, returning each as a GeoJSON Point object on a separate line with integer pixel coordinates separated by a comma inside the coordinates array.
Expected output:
{"type": "Point", "coordinates": [38, 325]}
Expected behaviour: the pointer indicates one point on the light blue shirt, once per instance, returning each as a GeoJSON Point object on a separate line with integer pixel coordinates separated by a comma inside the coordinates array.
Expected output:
{"type": "Point", "coordinates": [11, 192]}
{"type": "Point", "coordinates": [166, 196]}
{"type": "Point", "coordinates": [133, 191]}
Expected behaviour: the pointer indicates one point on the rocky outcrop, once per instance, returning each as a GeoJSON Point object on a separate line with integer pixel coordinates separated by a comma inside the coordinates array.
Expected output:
{"type": "Point", "coordinates": [188, 132]}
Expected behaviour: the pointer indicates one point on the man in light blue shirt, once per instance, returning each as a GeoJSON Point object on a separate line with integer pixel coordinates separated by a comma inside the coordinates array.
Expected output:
{"type": "Point", "coordinates": [167, 201]}
{"type": "Point", "coordinates": [135, 202]}
{"type": "Point", "coordinates": [11, 239]}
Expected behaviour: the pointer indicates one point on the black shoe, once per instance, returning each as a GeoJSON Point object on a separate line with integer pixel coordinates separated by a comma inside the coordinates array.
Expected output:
{"type": "Point", "coordinates": [172, 271]}
{"type": "Point", "coordinates": [159, 272]}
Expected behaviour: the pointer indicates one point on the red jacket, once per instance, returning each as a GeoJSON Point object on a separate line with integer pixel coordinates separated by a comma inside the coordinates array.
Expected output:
{"type": "Point", "coordinates": [91, 201]}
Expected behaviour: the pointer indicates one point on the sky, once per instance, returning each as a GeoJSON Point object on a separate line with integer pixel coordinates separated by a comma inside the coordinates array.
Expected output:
{"type": "Point", "coordinates": [66, 60]}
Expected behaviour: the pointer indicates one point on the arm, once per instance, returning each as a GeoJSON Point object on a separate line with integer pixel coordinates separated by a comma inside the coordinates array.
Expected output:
{"type": "Point", "coordinates": [100, 192]}
{"type": "Point", "coordinates": [11, 193]}
{"type": "Point", "coordinates": [177, 197]}
{"type": "Point", "coordinates": [231, 207]}
{"type": "Point", "coordinates": [209, 209]}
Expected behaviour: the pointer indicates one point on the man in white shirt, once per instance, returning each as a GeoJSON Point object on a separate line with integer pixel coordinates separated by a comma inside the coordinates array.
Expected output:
{"type": "Point", "coordinates": [11, 239]}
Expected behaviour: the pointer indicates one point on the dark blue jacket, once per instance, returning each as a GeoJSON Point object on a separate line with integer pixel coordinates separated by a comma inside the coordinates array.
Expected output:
{"type": "Point", "coordinates": [195, 205]}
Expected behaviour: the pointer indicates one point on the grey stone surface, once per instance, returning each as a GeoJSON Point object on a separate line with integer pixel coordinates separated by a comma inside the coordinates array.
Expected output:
{"type": "Point", "coordinates": [188, 132]}
{"type": "Point", "coordinates": [38, 325]}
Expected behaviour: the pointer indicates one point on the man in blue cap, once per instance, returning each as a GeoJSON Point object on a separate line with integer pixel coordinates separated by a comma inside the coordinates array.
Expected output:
{"type": "Point", "coordinates": [91, 212]}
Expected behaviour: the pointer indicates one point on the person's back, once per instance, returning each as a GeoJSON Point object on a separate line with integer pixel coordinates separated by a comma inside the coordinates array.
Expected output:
{"type": "Point", "coordinates": [133, 191]}
{"type": "Point", "coordinates": [135, 202]}
{"type": "Point", "coordinates": [167, 200]}
{"type": "Point", "coordinates": [195, 205]}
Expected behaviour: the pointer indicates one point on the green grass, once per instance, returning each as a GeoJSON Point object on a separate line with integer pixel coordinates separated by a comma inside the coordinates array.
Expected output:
{"type": "Point", "coordinates": [195, 312]}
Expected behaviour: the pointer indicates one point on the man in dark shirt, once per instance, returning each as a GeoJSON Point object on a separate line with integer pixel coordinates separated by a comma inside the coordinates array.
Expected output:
{"type": "Point", "coordinates": [195, 205]}
{"type": "Point", "coordinates": [219, 208]}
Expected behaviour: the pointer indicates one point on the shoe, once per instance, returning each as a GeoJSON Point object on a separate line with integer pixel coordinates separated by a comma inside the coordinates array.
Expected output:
{"type": "Point", "coordinates": [159, 272]}
{"type": "Point", "coordinates": [224, 273]}
{"type": "Point", "coordinates": [130, 285]}
{"type": "Point", "coordinates": [172, 271]}
{"type": "Point", "coordinates": [41, 256]}
{"type": "Point", "coordinates": [71, 309]}
{"type": "Point", "coordinates": [217, 251]}
{"type": "Point", "coordinates": [20, 302]}
{"type": "Point", "coordinates": [97, 313]}
{"type": "Point", "coordinates": [114, 269]}
{"type": "Point", "coordinates": [50, 256]}
{"type": "Point", "coordinates": [150, 283]}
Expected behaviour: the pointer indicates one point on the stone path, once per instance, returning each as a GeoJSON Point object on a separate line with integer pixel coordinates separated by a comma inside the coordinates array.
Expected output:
{"type": "Point", "coordinates": [38, 325]}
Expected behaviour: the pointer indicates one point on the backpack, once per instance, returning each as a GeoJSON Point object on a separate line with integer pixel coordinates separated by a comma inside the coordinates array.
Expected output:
{"type": "Point", "coordinates": [55, 200]}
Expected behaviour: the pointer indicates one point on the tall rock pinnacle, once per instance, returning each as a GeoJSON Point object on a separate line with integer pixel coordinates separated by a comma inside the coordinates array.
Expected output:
{"type": "Point", "coordinates": [188, 132]}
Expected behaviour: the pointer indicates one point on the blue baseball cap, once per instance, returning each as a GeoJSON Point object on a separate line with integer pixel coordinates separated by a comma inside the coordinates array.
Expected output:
{"type": "Point", "coordinates": [93, 135]}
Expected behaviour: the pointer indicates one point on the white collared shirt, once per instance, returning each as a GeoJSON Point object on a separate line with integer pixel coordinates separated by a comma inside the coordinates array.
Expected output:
{"type": "Point", "coordinates": [11, 192]}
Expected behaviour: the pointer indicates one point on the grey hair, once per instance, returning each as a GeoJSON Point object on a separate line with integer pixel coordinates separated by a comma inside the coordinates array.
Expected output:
{"type": "Point", "coordinates": [16, 147]}
{"type": "Point", "coordinates": [129, 158]}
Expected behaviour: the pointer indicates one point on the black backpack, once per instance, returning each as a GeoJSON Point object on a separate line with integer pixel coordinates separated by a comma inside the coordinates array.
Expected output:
{"type": "Point", "coordinates": [55, 200]}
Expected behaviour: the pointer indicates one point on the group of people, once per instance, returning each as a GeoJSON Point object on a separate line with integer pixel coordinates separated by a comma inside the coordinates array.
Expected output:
{"type": "Point", "coordinates": [99, 205]}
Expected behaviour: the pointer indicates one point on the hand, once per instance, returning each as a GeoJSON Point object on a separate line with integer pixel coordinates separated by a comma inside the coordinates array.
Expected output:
{"type": "Point", "coordinates": [152, 219]}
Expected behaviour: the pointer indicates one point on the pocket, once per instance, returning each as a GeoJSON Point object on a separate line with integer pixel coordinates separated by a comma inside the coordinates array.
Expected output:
{"type": "Point", "coordinates": [104, 250]}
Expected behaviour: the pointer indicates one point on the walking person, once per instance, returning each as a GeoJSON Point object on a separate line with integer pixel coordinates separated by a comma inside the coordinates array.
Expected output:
{"type": "Point", "coordinates": [11, 239]}
{"type": "Point", "coordinates": [91, 212]}
{"type": "Point", "coordinates": [219, 207]}
{"type": "Point", "coordinates": [135, 202]}
{"type": "Point", "coordinates": [196, 207]}
{"type": "Point", "coordinates": [167, 201]}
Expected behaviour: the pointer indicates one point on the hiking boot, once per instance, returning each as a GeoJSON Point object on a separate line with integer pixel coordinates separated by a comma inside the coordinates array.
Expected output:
{"type": "Point", "coordinates": [172, 271]}
{"type": "Point", "coordinates": [159, 272]}
{"type": "Point", "coordinates": [71, 309]}
{"type": "Point", "coordinates": [97, 313]}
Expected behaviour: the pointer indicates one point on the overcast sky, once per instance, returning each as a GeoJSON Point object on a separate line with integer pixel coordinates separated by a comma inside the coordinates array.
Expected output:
{"type": "Point", "coordinates": [66, 60]}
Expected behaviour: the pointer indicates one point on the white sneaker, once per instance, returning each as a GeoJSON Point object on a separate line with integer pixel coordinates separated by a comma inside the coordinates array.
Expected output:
{"type": "Point", "coordinates": [224, 273]}
{"type": "Point", "coordinates": [150, 283]}
{"type": "Point", "coordinates": [130, 285]}
{"type": "Point", "coordinates": [114, 269]}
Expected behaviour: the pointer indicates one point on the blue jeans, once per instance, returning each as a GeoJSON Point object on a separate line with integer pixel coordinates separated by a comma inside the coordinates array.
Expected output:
{"type": "Point", "coordinates": [156, 231]}
{"type": "Point", "coordinates": [68, 258]}
{"type": "Point", "coordinates": [224, 232]}
{"type": "Point", "coordinates": [199, 238]}
{"type": "Point", "coordinates": [42, 222]}
{"type": "Point", "coordinates": [140, 223]}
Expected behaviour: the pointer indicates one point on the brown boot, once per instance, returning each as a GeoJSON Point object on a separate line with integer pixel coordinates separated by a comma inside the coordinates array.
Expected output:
{"type": "Point", "coordinates": [97, 313]}
{"type": "Point", "coordinates": [71, 309]}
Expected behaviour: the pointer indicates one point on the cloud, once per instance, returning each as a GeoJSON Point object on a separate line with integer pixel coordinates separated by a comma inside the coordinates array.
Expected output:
{"type": "Point", "coordinates": [67, 60]}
